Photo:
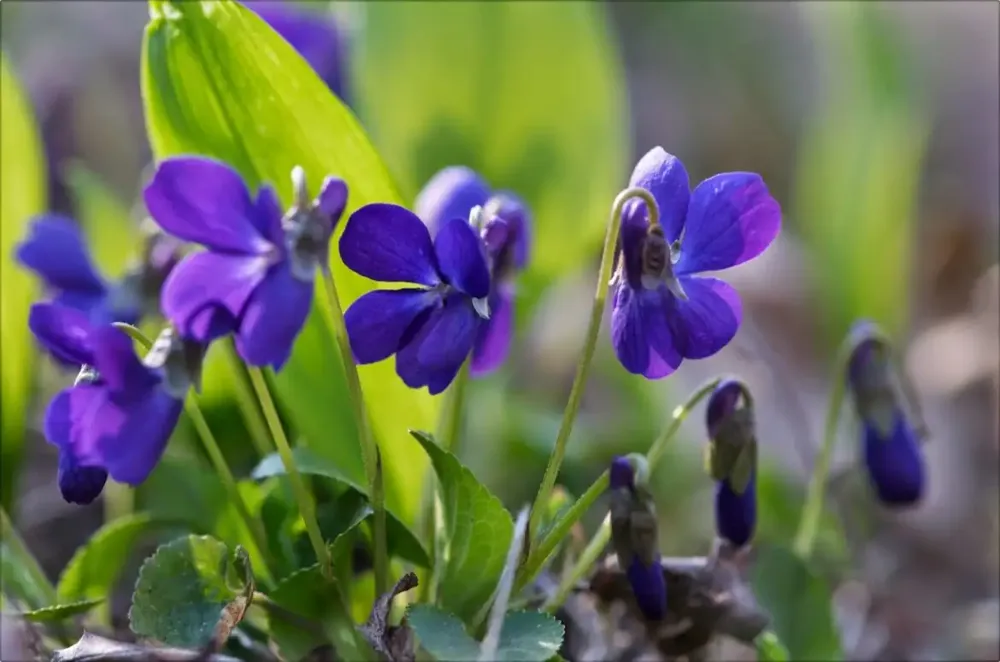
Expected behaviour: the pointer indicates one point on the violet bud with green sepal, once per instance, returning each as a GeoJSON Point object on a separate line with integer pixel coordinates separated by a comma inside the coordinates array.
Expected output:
{"type": "Point", "coordinates": [634, 533]}
{"type": "Point", "coordinates": [731, 459]}
{"type": "Point", "coordinates": [890, 446]}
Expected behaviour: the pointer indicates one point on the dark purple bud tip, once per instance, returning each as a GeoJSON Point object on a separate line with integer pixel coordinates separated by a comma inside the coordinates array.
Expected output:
{"type": "Point", "coordinates": [495, 235]}
{"type": "Point", "coordinates": [868, 346]}
{"type": "Point", "coordinates": [894, 463]}
{"type": "Point", "coordinates": [735, 512]}
{"type": "Point", "coordinates": [729, 396]}
{"type": "Point", "coordinates": [649, 587]}
{"type": "Point", "coordinates": [79, 484]}
{"type": "Point", "coordinates": [622, 473]}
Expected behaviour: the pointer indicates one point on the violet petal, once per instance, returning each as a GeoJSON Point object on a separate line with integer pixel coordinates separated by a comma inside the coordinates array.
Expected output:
{"type": "Point", "coordinates": [495, 335]}
{"type": "Point", "coordinates": [450, 194]}
{"type": "Point", "coordinates": [55, 250]}
{"type": "Point", "coordinates": [378, 321]}
{"type": "Point", "coordinates": [273, 318]}
{"type": "Point", "coordinates": [389, 243]}
{"type": "Point", "coordinates": [462, 258]}
{"type": "Point", "coordinates": [63, 331]}
{"type": "Point", "coordinates": [709, 318]}
{"type": "Point", "coordinates": [664, 176]}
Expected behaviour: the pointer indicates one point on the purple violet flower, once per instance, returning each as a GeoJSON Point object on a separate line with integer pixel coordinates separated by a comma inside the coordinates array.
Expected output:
{"type": "Point", "coordinates": [256, 278]}
{"type": "Point", "coordinates": [733, 460]}
{"type": "Point", "coordinates": [430, 329]}
{"type": "Point", "coordinates": [118, 416]}
{"type": "Point", "coordinates": [313, 34]}
{"type": "Point", "coordinates": [663, 311]}
{"type": "Point", "coordinates": [891, 449]}
{"type": "Point", "coordinates": [506, 231]}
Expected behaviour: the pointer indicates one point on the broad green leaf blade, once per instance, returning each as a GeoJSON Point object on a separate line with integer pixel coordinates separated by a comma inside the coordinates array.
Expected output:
{"type": "Point", "coordinates": [770, 648]}
{"type": "Point", "coordinates": [402, 540]}
{"type": "Point", "coordinates": [218, 81]}
{"type": "Point", "coordinates": [479, 531]}
{"type": "Point", "coordinates": [442, 634]}
{"type": "Point", "coordinates": [22, 195]}
{"type": "Point", "coordinates": [533, 98]}
{"type": "Point", "coordinates": [96, 567]}
{"type": "Point", "coordinates": [106, 220]}
{"type": "Point", "coordinates": [799, 603]}
{"type": "Point", "coordinates": [60, 612]}
{"type": "Point", "coordinates": [185, 595]}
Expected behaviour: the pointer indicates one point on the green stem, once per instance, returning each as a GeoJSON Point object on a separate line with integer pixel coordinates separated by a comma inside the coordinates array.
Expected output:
{"type": "Point", "coordinates": [218, 461]}
{"type": "Point", "coordinates": [587, 559]}
{"type": "Point", "coordinates": [369, 446]}
{"type": "Point", "coordinates": [14, 545]}
{"type": "Point", "coordinates": [452, 417]}
{"type": "Point", "coordinates": [118, 501]}
{"type": "Point", "coordinates": [306, 506]}
{"type": "Point", "coordinates": [246, 401]}
{"type": "Point", "coordinates": [590, 344]}
{"type": "Point", "coordinates": [540, 556]}
{"type": "Point", "coordinates": [812, 510]}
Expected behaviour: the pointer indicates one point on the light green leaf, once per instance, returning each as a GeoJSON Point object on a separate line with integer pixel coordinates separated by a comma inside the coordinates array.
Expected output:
{"type": "Point", "coordinates": [22, 195]}
{"type": "Point", "coordinates": [191, 591]}
{"type": "Point", "coordinates": [402, 540]}
{"type": "Point", "coordinates": [60, 612]}
{"type": "Point", "coordinates": [526, 636]}
{"type": "Point", "coordinates": [479, 531]}
{"type": "Point", "coordinates": [218, 81]}
{"type": "Point", "coordinates": [770, 648]}
{"type": "Point", "coordinates": [533, 98]}
{"type": "Point", "coordinates": [799, 603]}
{"type": "Point", "coordinates": [106, 220]}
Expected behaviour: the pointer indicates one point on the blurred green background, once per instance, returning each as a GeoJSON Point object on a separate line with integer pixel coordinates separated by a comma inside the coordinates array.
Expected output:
{"type": "Point", "coordinates": [875, 126]}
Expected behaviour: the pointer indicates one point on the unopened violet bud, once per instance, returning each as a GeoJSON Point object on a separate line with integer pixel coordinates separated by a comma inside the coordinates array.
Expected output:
{"type": "Point", "coordinates": [495, 234]}
{"type": "Point", "coordinates": [142, 283]}
{"type": "Point", "coordinates": [732, 460]}
{"type": "Point", "coordinates": [310, 223]}
{"type": "Point", "coordinates": [621, 474]}
{"type": "Point", "coordinates": [891, 449]}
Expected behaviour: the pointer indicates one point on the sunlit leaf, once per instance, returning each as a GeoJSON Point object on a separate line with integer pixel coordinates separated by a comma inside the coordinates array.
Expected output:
{"type": "Point", "coordinates": [106, 220]}
{"type": "Point", "coordinates": [60, 612]}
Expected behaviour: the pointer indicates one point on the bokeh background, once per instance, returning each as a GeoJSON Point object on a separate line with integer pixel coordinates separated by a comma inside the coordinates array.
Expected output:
{"type": "Point", "coordinates": [874, 124]}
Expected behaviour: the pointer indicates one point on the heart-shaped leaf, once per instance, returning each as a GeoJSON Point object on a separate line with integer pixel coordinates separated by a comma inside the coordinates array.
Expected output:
{"type": "Point", "coordinates": [478, 529]}
{"type": "Point", "coordinates": [192, 591]}
{"type": "Point", "coordinates": [526, 636]}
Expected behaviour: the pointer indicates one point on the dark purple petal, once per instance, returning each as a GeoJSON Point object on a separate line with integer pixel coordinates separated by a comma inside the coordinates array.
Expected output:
{"type": "Point", "coordinates": [450, 194]}
{"type": "Point", "coordinates": [495, 335]}
{"type": "Point", "coordinates": [63, 331]}
{"type": "Point", "coordinates": [867, 360]}
{"type": "Point", "coordinates": [649, 587]}
{"type": "Point", "coordinates": [78, 483]}
{"type": "Point", "coordinates": [389, 243]}
{"type": "Point", "coordinates": [332, 199]}
{"type": "Point", "coordinates": [273, 318]}
{"type": "Point", "coordinates": [267, 216]}
{"type": "Point", "coordinates": [732, 219]}
{"type": "Point", "coordinates": [894, 463]}
{"type": "Point", "coordinates": [211, 322]}
{"type": "Point", "coordinates": [515, 213]}
{"type": "Point", "coordinates": [435, 354]}
{"type": "Point", "coordinates": [462, 258]}
{"type": "Point", "coordinates": [125, 376]}
{"type": "Point", "coordinates": [208, 279]}
{"type": "Point", "coordinates": [664, 176]}
{"type": "Point", "coordinates": [736, 514]}
{"type": "Point", "coordinates": [641, 335]}
{"type": "Point", "coordinates": [707, 321]}
{"type": "Point", "coordinates": [621, 473]}
{"type": "Point", "coordinates": [378, 321]}
{"type": "Point", "coordinates": [631, 238]}
{"type": "Point", "coordinates": [55, 250]}
{"type": "Point", "coordinates": [722, 404]}
{"type": "Point", "coordinates": [206, 202]}
{"type": "Point", "coordinates": [495, 236]}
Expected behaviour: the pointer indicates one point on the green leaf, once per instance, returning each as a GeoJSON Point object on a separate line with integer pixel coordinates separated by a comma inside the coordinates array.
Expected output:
{"type": "Point", "coordinates": [527, 636]}
{"type": "Point", "coordinates": [779, 510]}
{"type": "Point", "coordinates": [479, 531]}
{"type": "Point", "coordinates": [770, 648]}
{"type": "Point", "coordinates": [22, 195]}
{"type": "Point", "coordinates": [799, 602]}
{"type": "Point", "coordinates": [96, 567]}
{"type": "Point", "coordinates": [106, 220]}
{"type": "Point", "coordinates": [557, 137]}
{"type": "Point", "coordinates": [60, 612]}
{"type": "Point", "coordinates": [218, 81]}
{"type": "Point", "coordinates": [402, 541]}
{"type": "Point", "coordinates": [190, 592]}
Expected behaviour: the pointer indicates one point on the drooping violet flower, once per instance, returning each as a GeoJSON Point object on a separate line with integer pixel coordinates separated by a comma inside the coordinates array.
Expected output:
{"type": "Point", "coordinates": [505, 226]}
{"type": "Point", "coordinates": [431, 329]}
{"type": "Point", "coordinates": [256, 278]}
{"type": "Point", "coordinates": [663, 311]}
{"type": "Point", "coordinates": [892, 455]}
{"type": "Point", "coordinates": [634, 534]}
{"type": "Point", "coordinates": [732, 461]}
{"type": "Point", "coordinates": [55, 250]}
{"type": "Point", "coordinates": [118, 416]}
{"type": "Point", "coordinates": [314, 35]}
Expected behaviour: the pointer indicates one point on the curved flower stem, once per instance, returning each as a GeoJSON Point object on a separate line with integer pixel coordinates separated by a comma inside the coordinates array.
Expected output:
{"type": "Point", "coordinates": [14, 545]}
{"type": "Point", "coordinates": [540, 556]}
{"type": "Point", "coordinates": [812, 510]}
{"type": "Point", "coordinates": [218, 460]}
{"type": "Point", "coordinates": [587, 559]}
{"type": "Point", "coordinates": [370, 454]}
{"type": "Point", "coordinates": [453, 415]}
{"type": "Point", "coordinates": [590, 343]}
{"type": "Point", "coordinates": [306, 505]}
{"type": "Point", "coordinates": [247, 402]}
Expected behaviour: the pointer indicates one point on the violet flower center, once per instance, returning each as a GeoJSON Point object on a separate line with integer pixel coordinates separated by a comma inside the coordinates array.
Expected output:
{"type": "Point", "coordinates": [658, 258]}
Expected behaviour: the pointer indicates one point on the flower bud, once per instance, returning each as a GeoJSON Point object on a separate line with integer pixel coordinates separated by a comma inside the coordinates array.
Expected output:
{"type": "Point", "coordinates": [732, 461]}
{"type": "Point", "coordinates": [309, 223]}
{"type": "Point", "coordinates": [890, 447]}
{"type": "Point", "coordinates": [140, 287]}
